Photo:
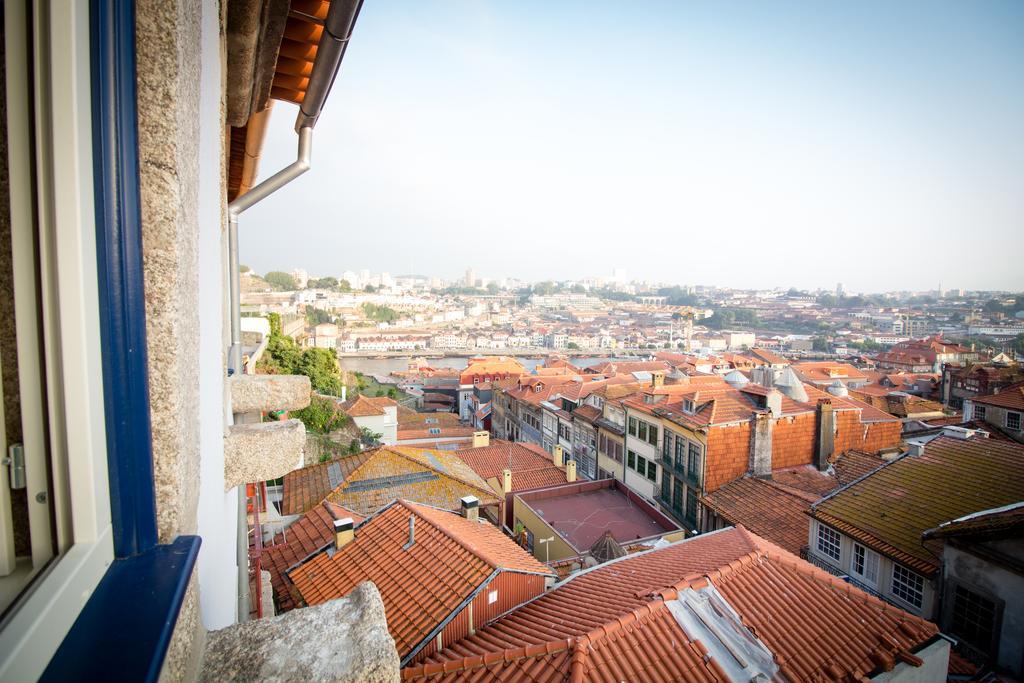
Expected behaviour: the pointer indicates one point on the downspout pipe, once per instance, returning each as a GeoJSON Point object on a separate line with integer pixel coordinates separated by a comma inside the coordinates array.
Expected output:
{"type": "Point", "coordinates": [341, 17]}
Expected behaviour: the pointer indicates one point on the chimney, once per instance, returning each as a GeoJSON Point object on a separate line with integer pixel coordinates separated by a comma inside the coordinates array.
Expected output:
{"type": "Point", "coordinates": [470, 507]}
{"type": "Point", "coordinates": [657, 379]}
{"type": "Point", "coordinates": [557, 457]}
{"type": "Point", "coordinates": [761, 444]}
{"type": "Point", "coordinates": [344, 392]}
{"type": "Point", "coordinates": [773, 402]}
{"type": "Point", "coordinates": [506, 481]}
{"type": "Point", "coordinates": [343, 532]}
{"type": "Point", "coordinates": [570, 471]}
{"type": "Point", "coordinates": [481, 439]}
{"type": "Point", "coordinates": [825, 441]}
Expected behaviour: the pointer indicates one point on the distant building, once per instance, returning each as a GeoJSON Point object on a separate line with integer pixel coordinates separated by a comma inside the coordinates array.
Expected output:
{"type": "Point", "coordinates": [925, 355]}
{"type": "Point", "coordinates": [1003, 410]}
{"type": "Point", "coordinates": [470, 278]}
{"type": "Point", "coordinates": [978, 379]}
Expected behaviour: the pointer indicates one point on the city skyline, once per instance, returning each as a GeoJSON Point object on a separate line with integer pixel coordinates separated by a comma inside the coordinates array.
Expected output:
{"type": "Point", "coordinates": [818, 142]}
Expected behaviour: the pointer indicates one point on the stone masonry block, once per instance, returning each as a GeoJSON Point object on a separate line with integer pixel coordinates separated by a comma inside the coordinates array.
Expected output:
{"type": "Point", "coordinates": [349, 642]}
{"type": "Point", "coordinates": [262, 393]}
{"type": "Point", "coordinates": [263, 451]}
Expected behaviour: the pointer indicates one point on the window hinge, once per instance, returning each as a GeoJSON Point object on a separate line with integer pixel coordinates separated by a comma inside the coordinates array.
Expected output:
{"type": "Point", "coordinates": [15, 462]}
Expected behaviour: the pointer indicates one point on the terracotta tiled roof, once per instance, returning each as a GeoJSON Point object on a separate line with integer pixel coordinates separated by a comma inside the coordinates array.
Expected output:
{"type": "Point", "coordinates": [531, 465]}
{"type": "Point", "coordinates": [587, 412]}
{"type": "Point", "coordinates": [853, 465]}
{"type": "Point", "coordinates": [997, 521]}
{"type": "Point", "coordinates": [1010, 397]}
{"type": "Point", "coordinates": [422, 584]}
{"type": "Point", "coordinates": [442, 433]}
{"type": "Point", "coordinates": [410, 419]}
{"type": "Point", "coordinates": [433, 477]}
{"type": "Point", "coordinates": [767, 356]}
{"type": "Point", "coordinates": [366, 406]}
{"type": "Point", "coordinates": [305, 488]}
{"type": "Point", "coordinates": [769, 511]}
{"type": "Point", "coordinates": [613, 622]}
{"type": "Point", "coordinates": [890, 508]}
{"type": "Point", "coordinates": [821, 371]}
{"type": "Point", "coordinates": [309, 534]}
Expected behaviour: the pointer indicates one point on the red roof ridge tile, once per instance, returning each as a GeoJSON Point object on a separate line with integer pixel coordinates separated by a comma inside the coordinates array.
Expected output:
{"type": "Point", "coordinates": [468, 663]}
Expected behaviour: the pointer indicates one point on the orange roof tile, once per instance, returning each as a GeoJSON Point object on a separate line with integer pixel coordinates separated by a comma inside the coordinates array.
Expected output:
{"type": "Point", "coordinates": [531, 465]}
{"type": "Point", "coordinates": [423, 584]}
{"type": "Point", "coordinates": [770, 511]}
{"type": "Point", "coordinates": [366, 406]}
{"type": "Point", "coordinates": [306, 487]}
{"type": "Point", "coordinates": [613, 622]}
{"type": "Point", "coordinates": [890, 508]}
{"type": "Point", "coordinates": [1010, 397]}
{"type": "Point", "coordinates": [309, 534]}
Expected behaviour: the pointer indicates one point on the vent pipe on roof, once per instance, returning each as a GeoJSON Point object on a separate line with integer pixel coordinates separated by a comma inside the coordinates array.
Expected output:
{"type": "Point", "coordinates": [341, 17]}
{"type": "Point", "coordinates": [470, 507]}
{"type": "Point", "coordinates": [412, 533]}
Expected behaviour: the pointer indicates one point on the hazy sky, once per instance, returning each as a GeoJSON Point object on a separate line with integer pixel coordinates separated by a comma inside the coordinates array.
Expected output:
{"type": "Point", "coordinates": [747, 144]}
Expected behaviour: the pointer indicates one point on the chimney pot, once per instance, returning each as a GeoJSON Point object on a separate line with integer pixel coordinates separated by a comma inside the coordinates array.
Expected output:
{"type": "Point", "coordinates": [506, 481]}
{"type": "Point", "coordinates": [570, 471]}
{"type": "Point", "coordinates": [481, 439]}
{"type": "Point", "coordinates": [343, 532]}
{"type": "Point", "coordinates": [557, 457]}
{"type": "Point", "coordinates": [470, 507]}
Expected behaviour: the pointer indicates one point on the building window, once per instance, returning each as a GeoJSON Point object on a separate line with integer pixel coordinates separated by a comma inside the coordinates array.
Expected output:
{"type": "Point", "coordinates": [652, 471]}
{"type": "Point", "coordinates": [828, 541]}
{"type": "Point", "coordinates": [666, 489]}
{"type": "Point", "coordinates": [631, 460]}
{"type": "Point", "coordinates": [979, 412]}
{"type": "Point", "coordinates": [691, 505]}
{"type": "Point", "coordinates": [652, 435]}
{"type": "Point", "coordinates": [677, 496]}
{"type": "Point", "coordinates": [974, 618]}
{"type": "Point", "coordinates": [492, 597]}
{"type": "Point", "coordinates": [632, 426]}
{"type": "Point", "coordinates": [693, 465]}
{"type": "Point", "coordinates": [641, 464]}
{"type": "Point", "coordinates": [680, 454]}
{"type": "Point", "coordinates": [435, 430]}
{"type": "Point", "coordinates": [864, 564]}
{"type": "Point", "coordinates": [431, 420]}
{"type": "Point", "coordinates": [666, 447]}
{"type": "Point", "coordinates": [907, 585]}
{"type": "Point", "coordinates": [1013, 421]}
{"type": "Point", "coordinates": [641, 430]}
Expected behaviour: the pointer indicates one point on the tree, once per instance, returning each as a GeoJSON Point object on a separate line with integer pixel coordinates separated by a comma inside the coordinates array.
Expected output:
{"type": "Point", "coordinates": [393, 393]}
{"type": "Point", "coordinates": [344, 286]}
{"type": "Point", "coordinates": [321, 366]}
{"type": "Point", "coordinates": [244, 268]}
{"type": "Point", "coordinates": [281, 281]}
{"type": "Point", "coordinates": [380, 313]}
{"type": "Point", "coordinates": [545, 288]}
{"type": "Point", "coordinates": [321, 416]}
{"type": "Point", "coordinates": [315, 316]}
{"type": "Point", "coordinates": [370, 289]}
{"type": "Point", "coordinates": [579, 289]}
{"type": "Point", "coordinates": [493, 288]}
{"type": "Point", "coordinates": [820, 344]}
{"type": "Point", "coordinates": [573, 346]}
{"type": "Point", "coordinates": [369, 438]}
{"type": "Point", "coordinates": [323, 283]}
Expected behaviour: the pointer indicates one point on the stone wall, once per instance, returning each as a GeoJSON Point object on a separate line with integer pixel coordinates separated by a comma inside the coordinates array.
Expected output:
{"type": "Point", "coordinates": [168, 68]}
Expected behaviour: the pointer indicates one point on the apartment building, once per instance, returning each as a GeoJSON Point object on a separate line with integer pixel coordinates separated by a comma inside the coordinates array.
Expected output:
{"type": "Point", "coordinates": [1003, 410]}
{"type": "Point", "coordinates": [871, 530]}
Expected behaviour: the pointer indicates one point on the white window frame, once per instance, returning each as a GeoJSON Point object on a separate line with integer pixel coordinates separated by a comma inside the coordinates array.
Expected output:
{"type": "Point", "coordinates": [897, 567]}
{"type": "Point", "coordinates": [1016, 427]}
{"type": "Point", "coordinates": [45, 613]}
{"type": "Point", "coordinates": [824, 530]}
{"type": "Point", "coordinates": [870, 559]}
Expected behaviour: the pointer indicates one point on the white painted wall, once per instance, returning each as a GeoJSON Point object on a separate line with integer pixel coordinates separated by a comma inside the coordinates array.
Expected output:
{"type": "Point", "coordinates": [218, 511]}
{"type": "Point", "coordinates": [932, 670]}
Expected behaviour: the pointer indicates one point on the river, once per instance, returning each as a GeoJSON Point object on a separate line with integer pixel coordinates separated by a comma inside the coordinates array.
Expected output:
{"type": "Point", "coordinates": [385, 366]}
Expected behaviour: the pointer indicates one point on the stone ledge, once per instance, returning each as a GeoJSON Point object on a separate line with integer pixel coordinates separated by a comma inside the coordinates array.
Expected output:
{"type": "Point", "coordinates": [262, 393]}
{"type": "Point", "coordinates": [262, 451]}
{"type": "Point", "coordinates": [342, 640]}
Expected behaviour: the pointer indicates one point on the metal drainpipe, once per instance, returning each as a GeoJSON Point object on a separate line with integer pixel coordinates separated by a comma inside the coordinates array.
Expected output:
{"type": "Point", "coordinates": [236, 208]}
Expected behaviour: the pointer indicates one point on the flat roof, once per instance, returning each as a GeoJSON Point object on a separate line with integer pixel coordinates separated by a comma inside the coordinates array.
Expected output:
{"type": "Point", "coordinates": [582, 518]}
